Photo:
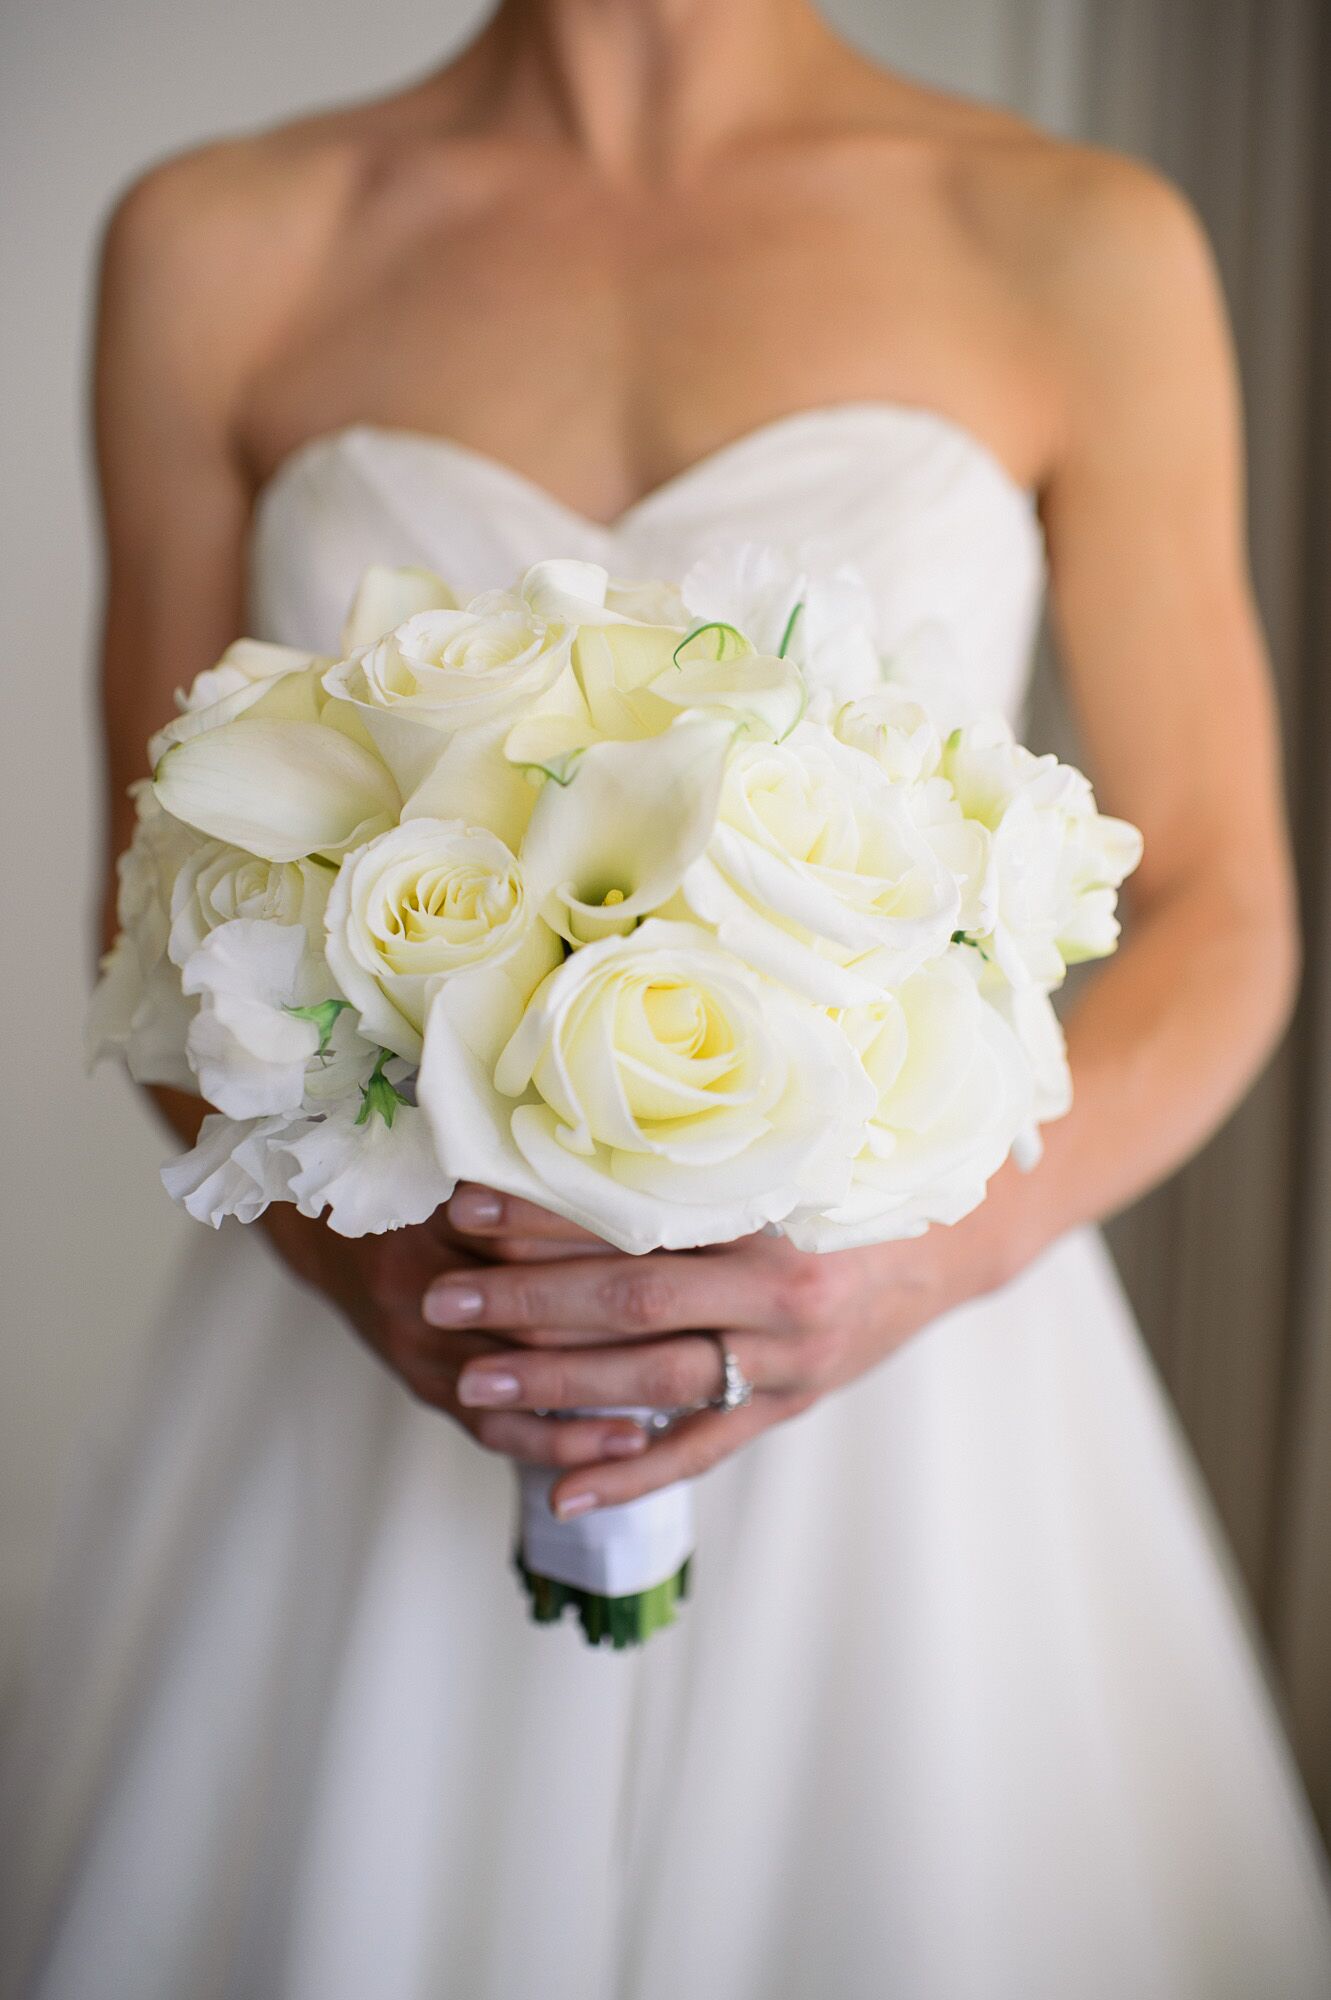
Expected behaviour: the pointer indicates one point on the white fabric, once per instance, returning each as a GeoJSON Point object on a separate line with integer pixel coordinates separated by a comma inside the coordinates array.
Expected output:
{"type": "Point", "coordinates": [962, 1706]}
{"type": "Point", "coordinates": [615, 1551]}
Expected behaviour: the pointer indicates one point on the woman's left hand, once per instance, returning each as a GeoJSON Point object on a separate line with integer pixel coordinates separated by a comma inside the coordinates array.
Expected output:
{"type": "Point", "coordinates": [603, 1329]}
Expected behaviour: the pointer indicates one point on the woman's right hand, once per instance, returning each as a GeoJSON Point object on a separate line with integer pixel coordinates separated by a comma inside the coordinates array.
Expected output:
{"type": "Point", "coordinates": [377, 1284]}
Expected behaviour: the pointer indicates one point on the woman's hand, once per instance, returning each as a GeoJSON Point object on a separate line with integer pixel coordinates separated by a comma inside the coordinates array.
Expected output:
{"type": "Point", "coordinates": [377, 1282]}
{"type": "Point", "coordinates": [558, 1331]}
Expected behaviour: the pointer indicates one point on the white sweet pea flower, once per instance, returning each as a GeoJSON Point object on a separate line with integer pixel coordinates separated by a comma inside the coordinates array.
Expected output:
{"type": "Point", "coordinates": [953, 1092]}
{"type": "Point", "coordinates": [386, 598]}
{"type": "Point", "coordinates": [611, 843]}
{"type": "Point", "coordinates": [1029, 1013]}
{"type": "Point", "coordinates": [656, 1091]}
{"type": "Point", "coordinates": [279, 788]}
{"type": "Point", "coordinates": [819, 615]}
{"type": "Point", "coordinates": [428, 901]}
{"type": "Point", "coordinates": [218, 883]}
{"type": "Point", "coordinates": [268, 1037]}
{"type": "Point", "coordinates": [1055, 862]}
{"type": "Point", "coordinates": [925, 665]}
{"type": "Point", "coordinates": [818, 875]}
{"type": "Point", "coordinates": [896, 730]}
{"type": "Point", "coordinates": [234, 1168]}
{"type": "Point", "coordinates": [370, 1172]}
{"type": "Point", "coordinates": [138, 1011]}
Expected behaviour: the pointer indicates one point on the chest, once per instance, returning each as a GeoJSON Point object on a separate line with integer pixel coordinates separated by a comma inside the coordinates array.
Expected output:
{"type": "Point", "coordinates": [600, 342]}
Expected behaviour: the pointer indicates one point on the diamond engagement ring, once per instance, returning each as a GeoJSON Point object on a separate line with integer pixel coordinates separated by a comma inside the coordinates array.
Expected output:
{"type": "Point", "coordinates": [736, 1389]}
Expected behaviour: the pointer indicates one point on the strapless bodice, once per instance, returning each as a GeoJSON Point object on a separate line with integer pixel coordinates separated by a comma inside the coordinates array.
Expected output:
{"type": "Point", "coordinates": [941, 532]}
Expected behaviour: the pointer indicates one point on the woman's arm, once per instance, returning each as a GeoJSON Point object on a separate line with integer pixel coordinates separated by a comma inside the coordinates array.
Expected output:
{"type": "Point", "coordinates": [1171, 687]}
{"type": "Point", "coordinates": [182, 321]}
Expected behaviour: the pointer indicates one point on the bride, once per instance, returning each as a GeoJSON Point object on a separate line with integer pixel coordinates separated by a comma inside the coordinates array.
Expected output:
{"type": "Point", "coordinates": [963, 1706]}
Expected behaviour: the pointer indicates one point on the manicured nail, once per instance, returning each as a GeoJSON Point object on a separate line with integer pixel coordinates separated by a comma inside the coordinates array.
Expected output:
{"type": "Point", "coordinates": [577, 1503]}
{"type": "Point", "coordinates": [624, 1444]}
{"type": "Point", "coordinates": [450, 1305]}
{"type": "Point", "coordinates": [478, 1388]}
{"type": "Point", "coordinates": [473, 1208]}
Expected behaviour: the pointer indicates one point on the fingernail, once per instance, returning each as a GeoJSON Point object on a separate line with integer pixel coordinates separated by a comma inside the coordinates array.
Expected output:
{"type": "Point", "coordinates": [623, 1444]}
{"type": "Point", "coordinates": [449, 1305]}
{"type": "Point", "coordinates": [577, 1503]}
{"type": "Point", "coordinates": [479, 1387]}
{"type": "Point", "coordinates": [475, 1209]}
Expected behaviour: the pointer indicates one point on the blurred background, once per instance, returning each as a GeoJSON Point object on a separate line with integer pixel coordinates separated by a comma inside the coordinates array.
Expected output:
{"type": "Point", "coordinates": [1229, 1266]}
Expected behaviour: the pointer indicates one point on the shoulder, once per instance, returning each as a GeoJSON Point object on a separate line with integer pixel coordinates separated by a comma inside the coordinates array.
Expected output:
{"type": "Point", "coordinates": [208, 254]}
{"type": "Point", "coordinates": [1106, 257]}
{"type": "Point", "coordinates": [219, 212]}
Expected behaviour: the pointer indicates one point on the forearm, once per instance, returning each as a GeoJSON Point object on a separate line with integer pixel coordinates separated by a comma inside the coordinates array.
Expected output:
{"type": "Point", "coordinates": [1162, 1045]}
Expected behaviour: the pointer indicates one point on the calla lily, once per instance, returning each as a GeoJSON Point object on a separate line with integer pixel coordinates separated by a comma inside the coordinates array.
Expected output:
{"type": "Point", "coordinates": [764, 695]}
{"type": "Point", "coordinates": [386, 598]}
{"type": "Point", "coordinates": [615, 840]}
{"type": "Point", "coordinates": [279, 789]}
{"type": "Point", "coordinates": [251, 678]}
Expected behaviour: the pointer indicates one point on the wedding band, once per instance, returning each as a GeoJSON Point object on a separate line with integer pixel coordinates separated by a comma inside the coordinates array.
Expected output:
{"type": "Point", "coordinates": [736, 1388]}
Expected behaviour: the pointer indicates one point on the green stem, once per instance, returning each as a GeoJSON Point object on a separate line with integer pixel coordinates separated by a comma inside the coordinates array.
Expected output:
{"type": "Point", "coordinates": [606, 1621]}
{"type": "Point", "coordinates": [786, 636]}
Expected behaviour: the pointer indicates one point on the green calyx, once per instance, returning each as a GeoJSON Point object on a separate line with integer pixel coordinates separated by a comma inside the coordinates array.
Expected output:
{"type": "Point", "coordinates": [379, 1094]}
{"type": "Point", "coordinates": [323, 1014]}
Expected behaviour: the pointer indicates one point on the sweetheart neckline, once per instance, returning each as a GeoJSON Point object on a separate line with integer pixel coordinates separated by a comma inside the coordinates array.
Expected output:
{"type": "Point", "coordinates": [774, 428]}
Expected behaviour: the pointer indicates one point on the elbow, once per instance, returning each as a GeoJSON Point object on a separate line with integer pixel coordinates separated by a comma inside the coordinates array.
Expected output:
{"type": "Point", "coordinates": [1271, 947]}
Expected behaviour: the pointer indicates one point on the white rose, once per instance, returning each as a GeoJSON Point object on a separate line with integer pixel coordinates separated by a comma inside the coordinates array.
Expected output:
{"type": "Point", "coordinates": [667, 1095]}
{"type": "Point", "coordinates": [138, 1011]}
{"type": "Point", "coordinates": [219, 883]}
{"type": "Point", "coordinates": [953, 1092]}
{"type": "Point", "coordinates": [428, 901]}
{"type": "Point", "coordinates": [451, 669]}
{"type": "Point", "coordinates": [1055, 862]}
{"type": "Point", "coordinates": [818, 874]}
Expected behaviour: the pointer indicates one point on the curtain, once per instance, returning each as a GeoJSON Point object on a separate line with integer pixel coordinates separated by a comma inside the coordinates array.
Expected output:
{"type": "Point", "coordinates": [1229, 1266]}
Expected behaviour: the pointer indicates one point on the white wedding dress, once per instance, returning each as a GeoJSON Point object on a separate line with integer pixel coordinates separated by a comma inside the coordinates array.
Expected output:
{"type": "Point", "coordinates": [963, 1706]}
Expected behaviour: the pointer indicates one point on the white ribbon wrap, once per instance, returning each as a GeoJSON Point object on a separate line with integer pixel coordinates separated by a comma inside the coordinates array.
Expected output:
{"type": "Point", "coordinates": [613, 1551]}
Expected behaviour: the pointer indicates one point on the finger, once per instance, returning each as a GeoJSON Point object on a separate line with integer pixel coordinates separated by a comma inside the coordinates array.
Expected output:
{"type": "Point", "coordinates": [525, 1249]}
{"type": "Point", "coordinates": [557, 1441]}
{"type": "Point", "coordinates": [690, 1447]}
{"type": "Point", "coordinates": [605, 1298]}
{"type": "Point", "coordinates": [652, 1374]}
{"type": "Point", "coordinates": [481, 1211]}
{"type": "Point", "coordinates": [430, 1360]}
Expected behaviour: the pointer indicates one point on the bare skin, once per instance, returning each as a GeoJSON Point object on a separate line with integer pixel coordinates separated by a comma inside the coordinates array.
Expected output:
{"type": "Point", "coordinates": [615, 235]}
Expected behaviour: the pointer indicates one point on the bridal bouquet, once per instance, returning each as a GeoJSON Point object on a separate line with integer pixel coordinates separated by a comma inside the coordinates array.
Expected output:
{"type": "Point", "coordinates": [679, 910]}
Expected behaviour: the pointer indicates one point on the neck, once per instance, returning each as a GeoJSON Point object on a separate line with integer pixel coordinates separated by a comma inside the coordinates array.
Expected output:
{"type": "Point", "coordinates": [644, 85]}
